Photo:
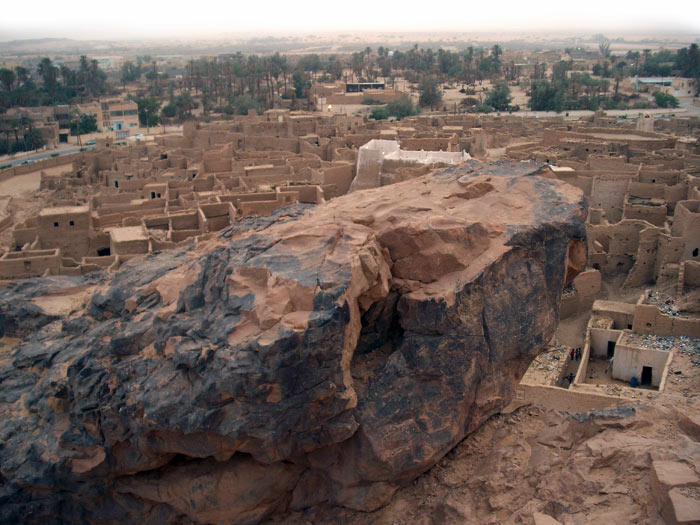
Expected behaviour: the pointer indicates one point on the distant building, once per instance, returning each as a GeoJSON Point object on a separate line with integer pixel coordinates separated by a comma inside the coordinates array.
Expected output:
{"type": "Point", "coordinates": [651, 81]}
{"type": "Point", "coordinates": [120, 115]}
{"type": "Point", "coordinates": [358, 87]}
{"type": "Point", "coordinates": [684, 87]}
{"type": "Point", "coordinates": [113, 115]}
{"type": "Point", "coordinates": [676, 86]}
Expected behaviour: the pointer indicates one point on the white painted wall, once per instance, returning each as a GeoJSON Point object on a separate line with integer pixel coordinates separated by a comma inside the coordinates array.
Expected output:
{"type": "Point", "coordinates": [600, 338]}
{"type": "Point", "coordinates": [629, 361]}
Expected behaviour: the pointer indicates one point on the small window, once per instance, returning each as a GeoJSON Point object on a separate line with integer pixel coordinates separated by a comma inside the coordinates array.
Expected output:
{"type": "Point", "coordinates": [695, 252]}
{"type": "Point", "coordinates": [27, 265]}
{"type": "Point", "coordinates": [55, 225]}
{"type": "Point", "coordinates": [116, 183]}
{"type": "Point", "coordinates": [71, 223]}
{"type": "Point", "coordinates": [153, 195]}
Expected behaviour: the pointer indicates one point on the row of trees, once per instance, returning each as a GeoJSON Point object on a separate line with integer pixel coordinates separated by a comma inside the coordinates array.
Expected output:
{"type": "Point", "coordinates": [20, 135]}
{"type": "Point", "coordinates": [235, 84]}
{"type": "Point", "coordinates": [51, 84]}
{"type": "Point", "coordinates": [221, 81]}
{"type": "Point", "coordinates": [684, 62]}
{"type": "Point", "coordinates": [575, 90]}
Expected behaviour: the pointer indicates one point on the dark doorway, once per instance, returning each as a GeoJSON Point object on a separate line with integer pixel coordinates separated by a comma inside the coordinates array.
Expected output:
{"type": "Point", "coordinates": [611, 349]}
{"type": "Point", "coordinates": [646, 375]}
{"type": "Point", "coordinates": [104, 252]}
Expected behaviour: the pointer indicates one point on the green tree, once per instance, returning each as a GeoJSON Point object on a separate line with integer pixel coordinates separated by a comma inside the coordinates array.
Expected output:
{"type": "Point", "coordinates": [560, 69]}
{"type": "Point", "coordinates": [169, 110]}
{"type": "Point", "coordinates": [499, 97]}
{"type": "Point", "coordinates": [301, 83]}
{"type": "Point", "coordinates": [7, 79]}
{"type": "Point", "coordinates": [546, 96]}
{"type": "Point", "coordinates": [310, 63]}
{"type": "Point", "coordinates": [688, 62]}
{"type": "Point", "coordinates": [130, 72]}
{"type": "Point", "coordinates": [84, 124]}
{"type": "Point", "coordinates": [148, 109]}
{"type": "Point", "coordinates": [243, 103]}
{"type": "Point", "coordinates": [483, 108]}
{"type": "Point", "coordinates": [401, 108]}
{"type": "Point", "coordinates": [32, 140]}
{"type": "Point", "coordinates": [430, 93]}
{"type": "Point", "coordinates": [49, 75]}
{"type": "Point", "coordinates": [357, 64]}
{"type": "Point", "coordinates": [184, 104]}
{"type": "Point", "coordinates": [664, 100]}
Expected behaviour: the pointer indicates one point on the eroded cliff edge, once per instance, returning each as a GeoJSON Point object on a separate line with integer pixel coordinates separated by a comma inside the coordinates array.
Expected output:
{"type": "Point", "coordinates": [325, 354]}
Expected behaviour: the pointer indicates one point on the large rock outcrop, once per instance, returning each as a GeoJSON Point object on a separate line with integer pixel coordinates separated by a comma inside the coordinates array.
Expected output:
{"type": "Point", "coordinates": [325, 354]}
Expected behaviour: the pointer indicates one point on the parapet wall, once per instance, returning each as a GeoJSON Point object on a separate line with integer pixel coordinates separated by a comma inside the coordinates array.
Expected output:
{"type": "Point", "coordinates": [649, 320]}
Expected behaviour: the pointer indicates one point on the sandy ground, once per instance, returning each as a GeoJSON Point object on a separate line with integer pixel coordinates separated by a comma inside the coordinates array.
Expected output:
{"type": "Point", "coordinates": [21, 185]}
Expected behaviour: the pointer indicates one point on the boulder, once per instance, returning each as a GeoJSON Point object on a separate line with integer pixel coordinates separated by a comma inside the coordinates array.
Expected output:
{"type": "Point", "coordinates": [326, 354]}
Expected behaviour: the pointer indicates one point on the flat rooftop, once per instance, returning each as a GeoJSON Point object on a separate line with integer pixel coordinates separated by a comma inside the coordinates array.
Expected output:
{"type": "Point", "coordinates": [613, 306]}
{"type": "Point", "coordinates": [128, 233]}
{"type": "Point", "coordinates": [622, 136]}
{"type": "Point", "coordinates": [63, 210]}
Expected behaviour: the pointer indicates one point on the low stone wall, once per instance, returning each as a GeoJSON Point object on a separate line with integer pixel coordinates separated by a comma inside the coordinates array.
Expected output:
{"type": "Point", "coordinates": [43, 164]}
{"type": "Point", "coordinates": [649, 320]}
{"type": "Point", "coordinates": [556, 398]}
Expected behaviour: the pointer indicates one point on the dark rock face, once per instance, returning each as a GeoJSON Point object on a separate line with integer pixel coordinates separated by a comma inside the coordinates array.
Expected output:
{"type": "Point", "coordinates": [322, 355]}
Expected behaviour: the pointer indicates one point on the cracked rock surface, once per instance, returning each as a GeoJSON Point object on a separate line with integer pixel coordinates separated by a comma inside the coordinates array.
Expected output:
{"type": "Point", "coordinates": [327, 354]}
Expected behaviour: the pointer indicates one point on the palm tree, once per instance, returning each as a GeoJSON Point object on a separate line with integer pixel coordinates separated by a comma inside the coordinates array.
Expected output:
{"type": "Point", "coordinates": [22, 74]}
{"type": "Point", "coordinates": [48, 73]}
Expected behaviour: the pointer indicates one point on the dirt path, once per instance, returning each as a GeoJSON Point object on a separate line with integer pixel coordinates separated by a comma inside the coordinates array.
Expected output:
{"type": "Point", "coordinates": [23, 185]}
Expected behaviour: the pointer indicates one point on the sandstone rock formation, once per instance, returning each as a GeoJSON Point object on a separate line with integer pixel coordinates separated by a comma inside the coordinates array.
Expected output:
{"type": "Point", "coordinates": [328, 354]}
{"type": "Point", "coordinates": [537, 466]}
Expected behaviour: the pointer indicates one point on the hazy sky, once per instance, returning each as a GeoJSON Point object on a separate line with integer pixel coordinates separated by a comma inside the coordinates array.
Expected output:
{"type": "Point", "coordinates": [201, 18]}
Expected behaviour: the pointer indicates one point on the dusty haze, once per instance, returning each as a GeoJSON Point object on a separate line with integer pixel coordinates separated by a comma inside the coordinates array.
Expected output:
{"type": "Point", "coordinates": [138, 20]}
